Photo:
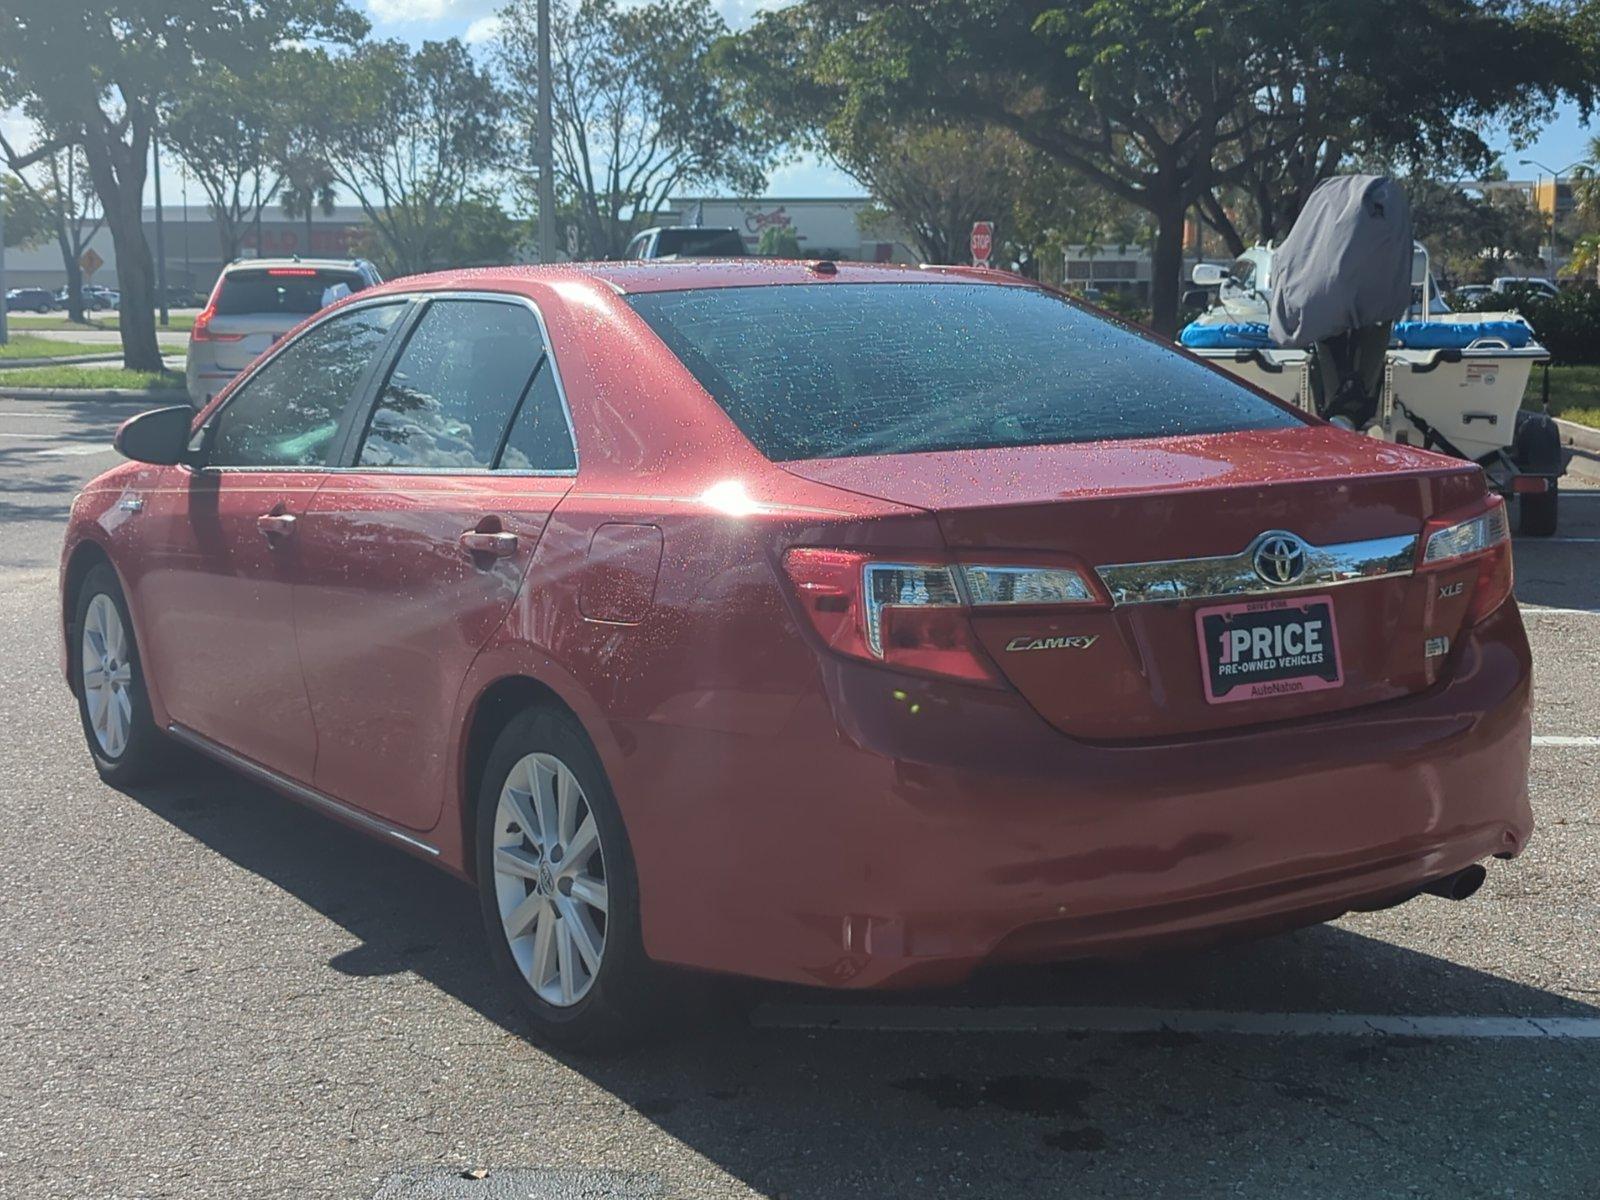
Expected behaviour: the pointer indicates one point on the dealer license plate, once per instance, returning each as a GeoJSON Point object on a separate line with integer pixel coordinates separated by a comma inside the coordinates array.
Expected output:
{"type": "Point", "coordinates": [1267, 648]}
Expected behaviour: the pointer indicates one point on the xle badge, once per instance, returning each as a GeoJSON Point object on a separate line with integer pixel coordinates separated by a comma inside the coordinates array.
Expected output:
{"type": "Point", "coordinates": [1081, 641]}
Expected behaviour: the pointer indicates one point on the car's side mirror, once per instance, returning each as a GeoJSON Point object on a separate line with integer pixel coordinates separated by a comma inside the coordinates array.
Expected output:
{"type": "Point", "coordinates": [160, 436]}
{"type": "Point", "coordinates": [1210, 274]}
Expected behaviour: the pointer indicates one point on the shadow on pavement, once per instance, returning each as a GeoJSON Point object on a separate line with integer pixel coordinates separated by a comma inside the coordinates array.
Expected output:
{"type": "Point", "coordinates": [833, 1115]}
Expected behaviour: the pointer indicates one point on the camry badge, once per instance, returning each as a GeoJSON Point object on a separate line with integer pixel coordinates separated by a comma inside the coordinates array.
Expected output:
{"type": "Point", "coordinates": [1079, 641]}
{"type": "Point", "coordinates": [1280, 559]}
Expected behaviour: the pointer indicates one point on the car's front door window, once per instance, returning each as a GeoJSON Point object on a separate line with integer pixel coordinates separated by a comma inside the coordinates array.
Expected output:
{"type": "Point", "coordinates": [288, 413]}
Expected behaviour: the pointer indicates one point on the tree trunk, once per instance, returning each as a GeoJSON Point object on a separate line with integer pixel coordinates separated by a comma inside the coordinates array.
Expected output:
{"type": "Point", "coordinates": [136, 279]}
{"type": "Point", "coordinates": [1166, 267]}
{"type": "Point", "coordinates": [118, 171]}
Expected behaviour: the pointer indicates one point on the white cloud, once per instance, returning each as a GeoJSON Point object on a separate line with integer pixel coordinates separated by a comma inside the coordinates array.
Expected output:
{"type": "Point", "coordinates": [401, 12]}
{"type": "Point", "coordinates": [484, 29]}
{"type": "Point", "coordinates": [739, 13]}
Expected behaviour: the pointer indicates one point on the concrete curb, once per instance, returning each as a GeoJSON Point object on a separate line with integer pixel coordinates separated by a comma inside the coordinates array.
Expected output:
{"type": "Point", "coordinates": [1579, 437]}
{"type": "Point", "coordinates": [169, 396]}
{"type": "Point", "coordinates": [58, 360]}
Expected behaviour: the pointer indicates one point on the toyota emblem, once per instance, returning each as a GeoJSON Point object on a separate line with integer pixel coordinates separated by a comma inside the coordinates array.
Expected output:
{"type": "Point", "coordinates": [1280, 559]}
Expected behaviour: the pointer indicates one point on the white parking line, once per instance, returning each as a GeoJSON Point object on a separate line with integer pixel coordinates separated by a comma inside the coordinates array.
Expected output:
{"type": "Point", "coordinates": [74, 451]}
{"type": "Point", "coordinates": [1543, 610]}
{"type": "Point", "coordinates": [1553, 740]}
{"type": "Point", "coordinates": [886, 1018]}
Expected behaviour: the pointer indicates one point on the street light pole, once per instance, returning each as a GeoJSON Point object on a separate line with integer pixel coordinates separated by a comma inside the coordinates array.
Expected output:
{"type": "Point", "coordinates": [1555, 199]}
{"type": "Point", "coordinates": [161, 241]}
{"type": "Point", "coordinates": [4, 336]}
{"type": "Point", "coordinates": [545, 154]}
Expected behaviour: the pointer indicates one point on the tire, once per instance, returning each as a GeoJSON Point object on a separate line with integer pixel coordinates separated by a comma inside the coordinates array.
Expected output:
{"type": "Point", "coordinates": [124, 742]}
{"type": "Point", "coordinates": [594, 1005]}
{"type": "Point", "coordinates": [1538, 512]}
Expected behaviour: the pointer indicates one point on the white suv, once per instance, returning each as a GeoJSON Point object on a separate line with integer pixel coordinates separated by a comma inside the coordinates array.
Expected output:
{"type": "Point", "coordinates": [254, 303]}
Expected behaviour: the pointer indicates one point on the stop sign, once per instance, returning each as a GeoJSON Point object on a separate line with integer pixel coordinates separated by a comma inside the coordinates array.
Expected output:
{"type": "Point", "coordinates": [982, 242]}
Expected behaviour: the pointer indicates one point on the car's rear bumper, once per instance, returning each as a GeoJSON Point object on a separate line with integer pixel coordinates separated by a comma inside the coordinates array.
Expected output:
{"type": "Point", "coordinates": [204, 380]}
{"type": "Point", "coordinates": [903, 833]}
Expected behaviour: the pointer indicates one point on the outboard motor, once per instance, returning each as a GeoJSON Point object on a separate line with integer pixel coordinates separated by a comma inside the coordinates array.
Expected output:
{"type": "Point", "coordinates": [1339, 282]}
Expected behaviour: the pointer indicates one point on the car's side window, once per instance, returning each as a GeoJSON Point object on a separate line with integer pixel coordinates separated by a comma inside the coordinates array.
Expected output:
{"type": "Point", "coordinates": [450, 396]}
{"type": "Point", "coordinates": [287, 414]}
{"type": "Point", "coordinates": [540, 437]}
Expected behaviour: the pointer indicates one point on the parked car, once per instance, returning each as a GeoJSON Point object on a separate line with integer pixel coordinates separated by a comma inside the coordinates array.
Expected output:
{"type": "Point", "coordinates": [29, 299]}
{"type": "Point", "coordinates": [179, 296]}
{"type": "Point", "coordinates": [1536, 284]}
{"type": "Point", "coordinates": [253, 304]}
{"type": "Point", "coordinates": [834, 624]}
{"type": "Point", "coordinates": [687, 241]}
{"type": "Point", "coordinates": [1469, 295]}
{"type": "Point", "coordinates": [101, 299]}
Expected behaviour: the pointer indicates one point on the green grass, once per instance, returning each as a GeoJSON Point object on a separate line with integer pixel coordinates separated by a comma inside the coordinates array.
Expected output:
{"type": "Point", "coordinates": [1574, 392]}
{"type": "Point", "coordinates": [90, 377]}
{"type": "Point", "coordinates": [103, 320]}
{"type": "Point", "coordinates": [23, 346]}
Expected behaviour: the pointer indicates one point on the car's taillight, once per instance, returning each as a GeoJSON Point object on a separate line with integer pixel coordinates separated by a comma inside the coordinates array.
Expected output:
{"type": "Point", "coordinates": [1485, 537]}
{"type": "Point", "coordinates": [915, 616]}
{"type": "Point", "coordinates": [202, 323]}
{"type": "Point", "coordinates": [202, 328]}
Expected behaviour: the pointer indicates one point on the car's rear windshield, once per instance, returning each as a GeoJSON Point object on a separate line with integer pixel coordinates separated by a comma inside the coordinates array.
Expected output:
{"type": "Point", "coordinates": [299, 291]}
{"type": "Point", "coordinates": [837, 370]}
{"type": "Point", "coordinates": [700, 243]}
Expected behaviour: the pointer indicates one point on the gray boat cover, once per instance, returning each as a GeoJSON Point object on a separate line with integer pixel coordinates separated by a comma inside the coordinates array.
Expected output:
{"type": "Point", "coordinates": [1346, 263]}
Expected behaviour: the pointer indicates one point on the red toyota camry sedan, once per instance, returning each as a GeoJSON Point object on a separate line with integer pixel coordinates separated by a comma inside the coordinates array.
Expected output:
{"type": "Point", "coordinates": [826, 623]}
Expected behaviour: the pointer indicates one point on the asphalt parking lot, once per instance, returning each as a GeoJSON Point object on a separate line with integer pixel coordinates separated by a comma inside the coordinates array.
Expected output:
{"type": "Point", "coordinates": [208, 991]}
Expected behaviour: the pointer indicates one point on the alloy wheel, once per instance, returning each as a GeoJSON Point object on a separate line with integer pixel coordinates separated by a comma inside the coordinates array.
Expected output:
{"type": "Point", "coordinates": [550, 879]}
{"type": "Point", "coordinates": [107, 676]}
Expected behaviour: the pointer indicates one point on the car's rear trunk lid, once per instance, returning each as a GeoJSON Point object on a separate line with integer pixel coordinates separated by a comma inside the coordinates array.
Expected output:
{"type": "Point", "coordinates": [1139, 513]}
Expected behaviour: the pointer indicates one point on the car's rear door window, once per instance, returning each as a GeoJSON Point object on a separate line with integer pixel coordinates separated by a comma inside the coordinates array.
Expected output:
{"type": "Point", "coordinates": [449, 398]}
{"type": "Point", "coordinates": [829, 370]}
{"type": "Point", "coordinates": [295, 291]}
{"type": "Point", "coordinates": [288, 413]}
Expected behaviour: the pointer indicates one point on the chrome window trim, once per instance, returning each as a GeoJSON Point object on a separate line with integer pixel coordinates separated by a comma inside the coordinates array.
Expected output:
{"type": "Point", "coordinates": [1226, 575]}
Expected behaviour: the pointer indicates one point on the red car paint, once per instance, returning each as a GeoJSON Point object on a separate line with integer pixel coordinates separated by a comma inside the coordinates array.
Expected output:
{"type": "Point", "coordinates": [796, 812]}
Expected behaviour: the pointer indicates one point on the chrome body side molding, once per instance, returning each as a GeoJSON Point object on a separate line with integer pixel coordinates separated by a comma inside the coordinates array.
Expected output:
{"type": "Point", "coordinates": [1236, 574]}
{"type": "Point", "coordinates": [297, 791]}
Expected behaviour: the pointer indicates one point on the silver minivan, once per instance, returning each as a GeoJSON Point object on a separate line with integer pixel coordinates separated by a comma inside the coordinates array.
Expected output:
{"type": "Point", "coordinates": [254, 303]}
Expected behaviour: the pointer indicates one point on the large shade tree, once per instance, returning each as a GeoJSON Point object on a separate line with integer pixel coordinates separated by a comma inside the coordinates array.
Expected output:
{"type": "Point", "coordinates": [96, 75]}
{"type": "Point", "coordinates": [1165, 104]}
{"type": "Point", "coordinates": [220, 128]}
{"type": "Point", "coordinates": [414, 136]}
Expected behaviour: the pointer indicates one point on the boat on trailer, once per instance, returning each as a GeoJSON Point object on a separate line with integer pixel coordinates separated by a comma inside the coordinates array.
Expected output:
{"type": "Point", "coordinates": [1452, 382]}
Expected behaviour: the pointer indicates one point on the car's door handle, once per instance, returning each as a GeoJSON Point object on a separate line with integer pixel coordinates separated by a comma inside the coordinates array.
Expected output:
{"type": "Point", "coordinates": [275, 524]}
{"type": "Point", "coordinates": [500, 545]}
